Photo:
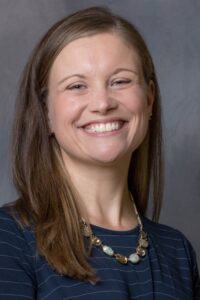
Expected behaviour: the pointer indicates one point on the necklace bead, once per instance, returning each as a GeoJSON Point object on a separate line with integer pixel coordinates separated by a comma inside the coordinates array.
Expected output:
{"type": "Point", "coordinates": [108, 250]}
{"type": "Point", "coordinates": [140, 251]}
{"type": "Point", "coordinates": [121, 258]}
{"type": "Point", "coordinates": [134, 258]}
{"type": "Point", "coordinates": [143, 243]}
{"type": "Point", "coordinates": [95, 241]}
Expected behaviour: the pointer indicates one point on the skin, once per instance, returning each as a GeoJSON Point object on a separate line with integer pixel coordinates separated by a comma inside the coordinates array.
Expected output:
{"type": "Point", "coordinates": [99, 80]}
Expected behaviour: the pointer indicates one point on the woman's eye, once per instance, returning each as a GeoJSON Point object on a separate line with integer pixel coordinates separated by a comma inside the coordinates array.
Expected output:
{"type": "Point", "coordinates": [76, 87]}
{"type": "Point", "coordinates": [121, 82]}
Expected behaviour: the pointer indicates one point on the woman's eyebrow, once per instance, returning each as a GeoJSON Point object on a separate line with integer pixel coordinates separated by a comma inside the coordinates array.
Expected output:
{"type": "Point", "coordinates": [118, 70]}
{"type": "Point", "coordinates": [69, 76]}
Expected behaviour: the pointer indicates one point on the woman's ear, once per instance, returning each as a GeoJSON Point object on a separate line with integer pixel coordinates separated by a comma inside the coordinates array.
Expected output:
{"type": "Point", "coordinates": [150, 95]}
{"type": "Point", "coordinates": [47, 117]}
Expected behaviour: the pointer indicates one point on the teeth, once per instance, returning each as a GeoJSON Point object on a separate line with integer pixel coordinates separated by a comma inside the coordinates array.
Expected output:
{"type": "Point", "coordinates": [102, 127]}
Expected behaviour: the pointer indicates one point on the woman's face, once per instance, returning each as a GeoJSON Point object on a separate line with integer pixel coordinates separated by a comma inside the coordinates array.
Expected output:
{"type": "Point", "coordinates": [98, 103]}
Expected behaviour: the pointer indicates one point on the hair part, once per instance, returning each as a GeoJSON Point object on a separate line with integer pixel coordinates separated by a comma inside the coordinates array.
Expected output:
{"type": "Point", "coordinates": [48, 199]}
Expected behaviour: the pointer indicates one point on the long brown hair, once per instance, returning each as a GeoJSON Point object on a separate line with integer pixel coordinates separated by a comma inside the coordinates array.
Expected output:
{"type": "Point", "coordinates": [47, 198]}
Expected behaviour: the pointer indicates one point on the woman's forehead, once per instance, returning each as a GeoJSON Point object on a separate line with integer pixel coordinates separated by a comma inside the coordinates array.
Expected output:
{"type": "Point", "coordinates": [98, 51]}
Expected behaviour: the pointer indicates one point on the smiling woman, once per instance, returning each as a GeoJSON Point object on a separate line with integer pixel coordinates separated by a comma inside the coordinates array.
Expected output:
{"type": "Point", "coordinates": [86, 154]}
{"type": "Point", "coordinates": [101, 112]}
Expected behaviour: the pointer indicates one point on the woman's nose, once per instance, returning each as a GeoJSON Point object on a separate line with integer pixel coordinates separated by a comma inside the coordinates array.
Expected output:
{"type": "Point", "coordinates": [102, 101]}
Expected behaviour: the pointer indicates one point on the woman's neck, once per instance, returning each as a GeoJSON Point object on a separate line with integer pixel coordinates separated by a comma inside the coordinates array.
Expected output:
{"type": "Point", "coordinates": [104, 199]}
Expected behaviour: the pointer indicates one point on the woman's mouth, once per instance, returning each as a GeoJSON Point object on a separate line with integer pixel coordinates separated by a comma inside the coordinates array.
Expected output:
{"type": "Point", "coordinates": [104, 127]}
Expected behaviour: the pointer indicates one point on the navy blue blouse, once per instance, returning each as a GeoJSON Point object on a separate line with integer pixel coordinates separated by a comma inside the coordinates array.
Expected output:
{"type": "Point", "coordinates": [168, 271]}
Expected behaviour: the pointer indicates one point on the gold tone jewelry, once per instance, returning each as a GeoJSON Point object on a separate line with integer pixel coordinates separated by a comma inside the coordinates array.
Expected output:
{"type": "Point", "coordinates": [134, 257]}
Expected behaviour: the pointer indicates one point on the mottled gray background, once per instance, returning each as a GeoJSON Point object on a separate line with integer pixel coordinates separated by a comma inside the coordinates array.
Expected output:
{"type": "Point", "coordinates": [172, 31]}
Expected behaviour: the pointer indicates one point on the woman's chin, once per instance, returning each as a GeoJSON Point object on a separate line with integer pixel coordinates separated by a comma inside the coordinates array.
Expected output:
{"type": "Point", "coordinates": [107, 158]}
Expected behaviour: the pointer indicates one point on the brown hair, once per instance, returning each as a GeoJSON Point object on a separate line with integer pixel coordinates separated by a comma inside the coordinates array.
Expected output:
{"type": "Point", "coordinates": [47, 198]}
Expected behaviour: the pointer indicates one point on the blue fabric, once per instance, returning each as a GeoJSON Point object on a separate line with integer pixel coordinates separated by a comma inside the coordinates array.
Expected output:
{"type": "Point", "coordinates": [169, 270]}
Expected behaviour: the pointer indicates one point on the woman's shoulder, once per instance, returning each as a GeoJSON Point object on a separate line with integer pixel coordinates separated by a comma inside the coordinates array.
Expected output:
{"type": "Point", "coordinates": [11, 229]}
{"type": "Point", "coordinates": [165, 233]}
{"type": "Point", "coordinates": [15, 240]}
{"type": "Point", "coordinates": [162, 229]}
{"type": "Point", "coordinates": [17, 257]}
{"type": "Point", "coordinates": [8, 216]}
{"type": "Point", "coordinates": [7, 220]}
{"type": "Point", "coordinates": [171, 248]}
{"type": "Point", "coordinates": [172, 241]}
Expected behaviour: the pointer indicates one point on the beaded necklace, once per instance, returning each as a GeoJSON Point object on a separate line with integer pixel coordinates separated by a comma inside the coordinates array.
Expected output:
{"type": "Point", "coordinates": [134, 257]}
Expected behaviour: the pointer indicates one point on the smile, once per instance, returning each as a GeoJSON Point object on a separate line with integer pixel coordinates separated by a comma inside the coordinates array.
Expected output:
{"type": "Point", "coordinates": [104, 127]}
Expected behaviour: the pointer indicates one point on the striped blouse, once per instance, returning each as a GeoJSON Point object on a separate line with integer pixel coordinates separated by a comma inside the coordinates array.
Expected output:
{"type": "Point", "coordinates": [168, 271]}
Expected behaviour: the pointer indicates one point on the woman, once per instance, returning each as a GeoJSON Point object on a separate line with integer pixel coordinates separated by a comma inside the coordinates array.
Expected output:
{"type": "Point", "coordinates": [86, 153]}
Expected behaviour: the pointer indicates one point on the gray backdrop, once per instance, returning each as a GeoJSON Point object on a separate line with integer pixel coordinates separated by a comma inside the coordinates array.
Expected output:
{"type": "Point", "coordinates": [172, 31]}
